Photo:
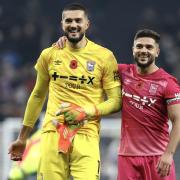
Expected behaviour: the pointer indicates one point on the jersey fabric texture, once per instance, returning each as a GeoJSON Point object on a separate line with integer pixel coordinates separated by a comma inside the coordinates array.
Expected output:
{"type": "Point", "coordinates": [144, 130]}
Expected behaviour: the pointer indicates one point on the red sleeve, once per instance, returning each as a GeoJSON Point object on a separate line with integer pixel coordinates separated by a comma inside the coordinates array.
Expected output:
{"type": "Point", "coordinates": [122, 67]}
{"type": "Point", "coordinates": [172, 92]}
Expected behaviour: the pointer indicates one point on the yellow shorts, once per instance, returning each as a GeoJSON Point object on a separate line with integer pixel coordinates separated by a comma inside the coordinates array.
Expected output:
{"type": "Point", "coordinates": [82, 162]}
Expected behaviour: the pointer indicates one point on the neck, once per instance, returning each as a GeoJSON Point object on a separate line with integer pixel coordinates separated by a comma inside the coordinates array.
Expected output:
{"type": "Point", "coordinates": [146, 70]}
{"type": "Point", "coordinates": [79, 45]}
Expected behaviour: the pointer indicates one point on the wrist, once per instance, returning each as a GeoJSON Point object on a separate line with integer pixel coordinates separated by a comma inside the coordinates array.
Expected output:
{"type": "Point", "coordinates": [24, 133]}
{"type": "Point", "coordinates": [21, 140]}
{"type": "Point", "coordinates": [169, 152]}
{"type": "Point", "coordinates": [91, 112]}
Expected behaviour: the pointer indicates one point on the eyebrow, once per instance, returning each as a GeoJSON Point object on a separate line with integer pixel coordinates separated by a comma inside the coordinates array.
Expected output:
{"type": "Point", "coordinates": [142, 44]}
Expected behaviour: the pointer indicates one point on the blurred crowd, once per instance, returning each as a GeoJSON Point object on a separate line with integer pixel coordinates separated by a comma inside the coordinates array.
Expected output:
{"type": "Point", "coordinates": [27, 27]}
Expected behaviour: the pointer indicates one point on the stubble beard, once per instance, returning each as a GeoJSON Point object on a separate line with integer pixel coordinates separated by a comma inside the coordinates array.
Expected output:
{"type": "Point", "coordinates": [74, 40]}
{"type": "Point", "coordinates": [144, 65]}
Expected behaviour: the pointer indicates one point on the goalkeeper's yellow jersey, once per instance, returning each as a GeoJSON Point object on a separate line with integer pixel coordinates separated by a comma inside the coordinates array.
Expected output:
{"type": "Point", "coordinates": [77, 76]}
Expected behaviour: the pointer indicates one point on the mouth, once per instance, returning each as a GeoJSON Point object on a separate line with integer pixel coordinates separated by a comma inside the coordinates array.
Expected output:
{"type": "Point", "coordinates": [73, 33]}
{"type": "Point", "coordinates": [74, 30]}
{"type": "Point", "coordinates": [143, 57]}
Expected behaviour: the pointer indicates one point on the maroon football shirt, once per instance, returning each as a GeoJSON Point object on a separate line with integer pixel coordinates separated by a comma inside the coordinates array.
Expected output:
{"type": "Point", "coordinates": [144, 130]}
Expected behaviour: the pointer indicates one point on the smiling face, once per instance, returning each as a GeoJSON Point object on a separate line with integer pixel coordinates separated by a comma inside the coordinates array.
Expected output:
{"type": "Point", "coordinates": [145, 51]}
{"type": "Point", "coordinates": [74, 24]}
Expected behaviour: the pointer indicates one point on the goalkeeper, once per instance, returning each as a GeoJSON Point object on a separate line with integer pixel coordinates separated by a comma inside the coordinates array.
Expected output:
{"type": "Point", "coordinates": [75, 79]}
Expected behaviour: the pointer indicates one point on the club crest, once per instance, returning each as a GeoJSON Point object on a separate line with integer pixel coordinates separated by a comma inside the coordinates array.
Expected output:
{"type": "Point", "coordinates": [153, 89]}
{"type": "Point", "coordinates": [90, 65]}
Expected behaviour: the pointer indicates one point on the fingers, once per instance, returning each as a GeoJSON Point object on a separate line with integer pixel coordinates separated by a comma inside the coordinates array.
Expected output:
{"type": "Point", "coordinates": [10, 150]}
{"type": "Point", "coordinates": [53, 45]}
{"type": "Point", "coordinates": [16, 157]}
{"type": "Point", "coordinates": [16, 150]}
{"type": "Point", "coordinates": [163, 169]}
{"type": "Point", "coordinates": [61, 43]}
{"type": "Point", "coordinates": [168, 170]}
{"type": "Point", "coordinates": [62, 111]}
{"type": "Point", "coordinates": [70, 118]}
{"type": "Point", "coordinates": [64, 107]}
{"type": "Point", "coordinates": [72, 114]}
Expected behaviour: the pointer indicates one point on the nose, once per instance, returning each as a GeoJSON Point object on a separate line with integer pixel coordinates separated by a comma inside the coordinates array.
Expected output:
{"type": "Point", "coordinates": [73, 24]}
{"type": "Point", "coordinates": [144, 49]}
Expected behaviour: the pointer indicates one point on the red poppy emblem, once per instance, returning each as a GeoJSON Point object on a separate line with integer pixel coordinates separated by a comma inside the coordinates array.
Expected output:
{"type": "Point", "coordinates": [73, 64]}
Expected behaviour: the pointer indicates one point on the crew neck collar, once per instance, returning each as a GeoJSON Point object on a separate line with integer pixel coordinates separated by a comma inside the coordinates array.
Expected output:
{"type": "Point", "coordinates": [78, 49]}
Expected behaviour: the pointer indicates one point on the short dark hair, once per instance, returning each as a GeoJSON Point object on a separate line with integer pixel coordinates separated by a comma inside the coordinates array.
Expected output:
{"type": "Point", "coordinates": [147, 33]}
{"type": "Point", "coordinates": [76, 6]}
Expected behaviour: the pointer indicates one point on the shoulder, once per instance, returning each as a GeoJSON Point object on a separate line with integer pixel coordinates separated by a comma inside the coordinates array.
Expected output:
{"type": "Point", "coordinates": [125, 67]}
{"type": "Point", "coordinates": [169, 82]}
{"type": "Point", "coordinates": [49, 50]}
{"type": "Point", "coordinates": [103, 51]}
{"type": "Point", "coordinates": [169, 78]}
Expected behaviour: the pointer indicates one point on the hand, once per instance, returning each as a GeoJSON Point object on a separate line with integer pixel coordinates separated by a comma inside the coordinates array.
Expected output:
{"type": "Point", "coordinates": [16, 150]}
{"type": "Point", "coordinates": [73, 114]}
{"type": "Point", "coordinates": [164, 164]}
{"type": "Point", "coordinates": [61, 43]}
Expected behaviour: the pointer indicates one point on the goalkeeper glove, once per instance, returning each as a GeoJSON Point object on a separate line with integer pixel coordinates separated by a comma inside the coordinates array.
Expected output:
{"type": "Point", "coordinates": [74, 114]}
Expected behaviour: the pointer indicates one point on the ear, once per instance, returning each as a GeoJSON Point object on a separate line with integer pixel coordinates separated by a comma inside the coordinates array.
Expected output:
{"type": "Point", "coordinates": [88, 24]}
{"type": "Point", "coordinates": [133, 50]}
{"type": "Point", "coordinates": [62, 25]}
{"type": "Point", "coordinates": [158, 52]}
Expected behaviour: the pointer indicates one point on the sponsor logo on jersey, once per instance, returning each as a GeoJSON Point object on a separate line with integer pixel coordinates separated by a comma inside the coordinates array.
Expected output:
{"type": "Point", "coordinates": [139, 101]}
{"type": "Point", "coordinates": [127, 81]}
{"type": "Point", "coordinates": [57, 62]}
{"type": "Point", "coordinates": [153, 89]}
{"type": "Point", "coordinates": [80, 79]}
{"type": "Point", "coordinates": [116, 75]}
{"type": "Point", "coordinates": [69, 85]}
{"type": "Point", "coordinates": [90, 65]}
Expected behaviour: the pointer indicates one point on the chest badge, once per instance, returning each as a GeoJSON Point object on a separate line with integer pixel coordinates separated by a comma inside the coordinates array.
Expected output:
{"type": "Point", "coordinates": [73, 64]}
{"type": "Point", "coordinates": [90, 65]}
{"type": "Point", "coordinates": [153, 89]}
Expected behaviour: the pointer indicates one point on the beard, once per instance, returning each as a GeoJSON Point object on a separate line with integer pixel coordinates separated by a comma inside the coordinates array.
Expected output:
{"type": "Point", "coordinates": [148, 62]}
{"type": "Point", "coordinates": [74, 40]}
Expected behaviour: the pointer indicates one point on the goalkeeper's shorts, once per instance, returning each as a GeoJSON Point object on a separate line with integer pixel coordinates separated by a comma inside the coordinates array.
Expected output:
{"type": "Point", "coordinates": [82, 162]}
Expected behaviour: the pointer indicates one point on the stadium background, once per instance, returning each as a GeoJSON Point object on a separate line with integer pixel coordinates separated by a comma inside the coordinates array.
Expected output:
{"type": "Point", "coordinates": [26, 27]}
